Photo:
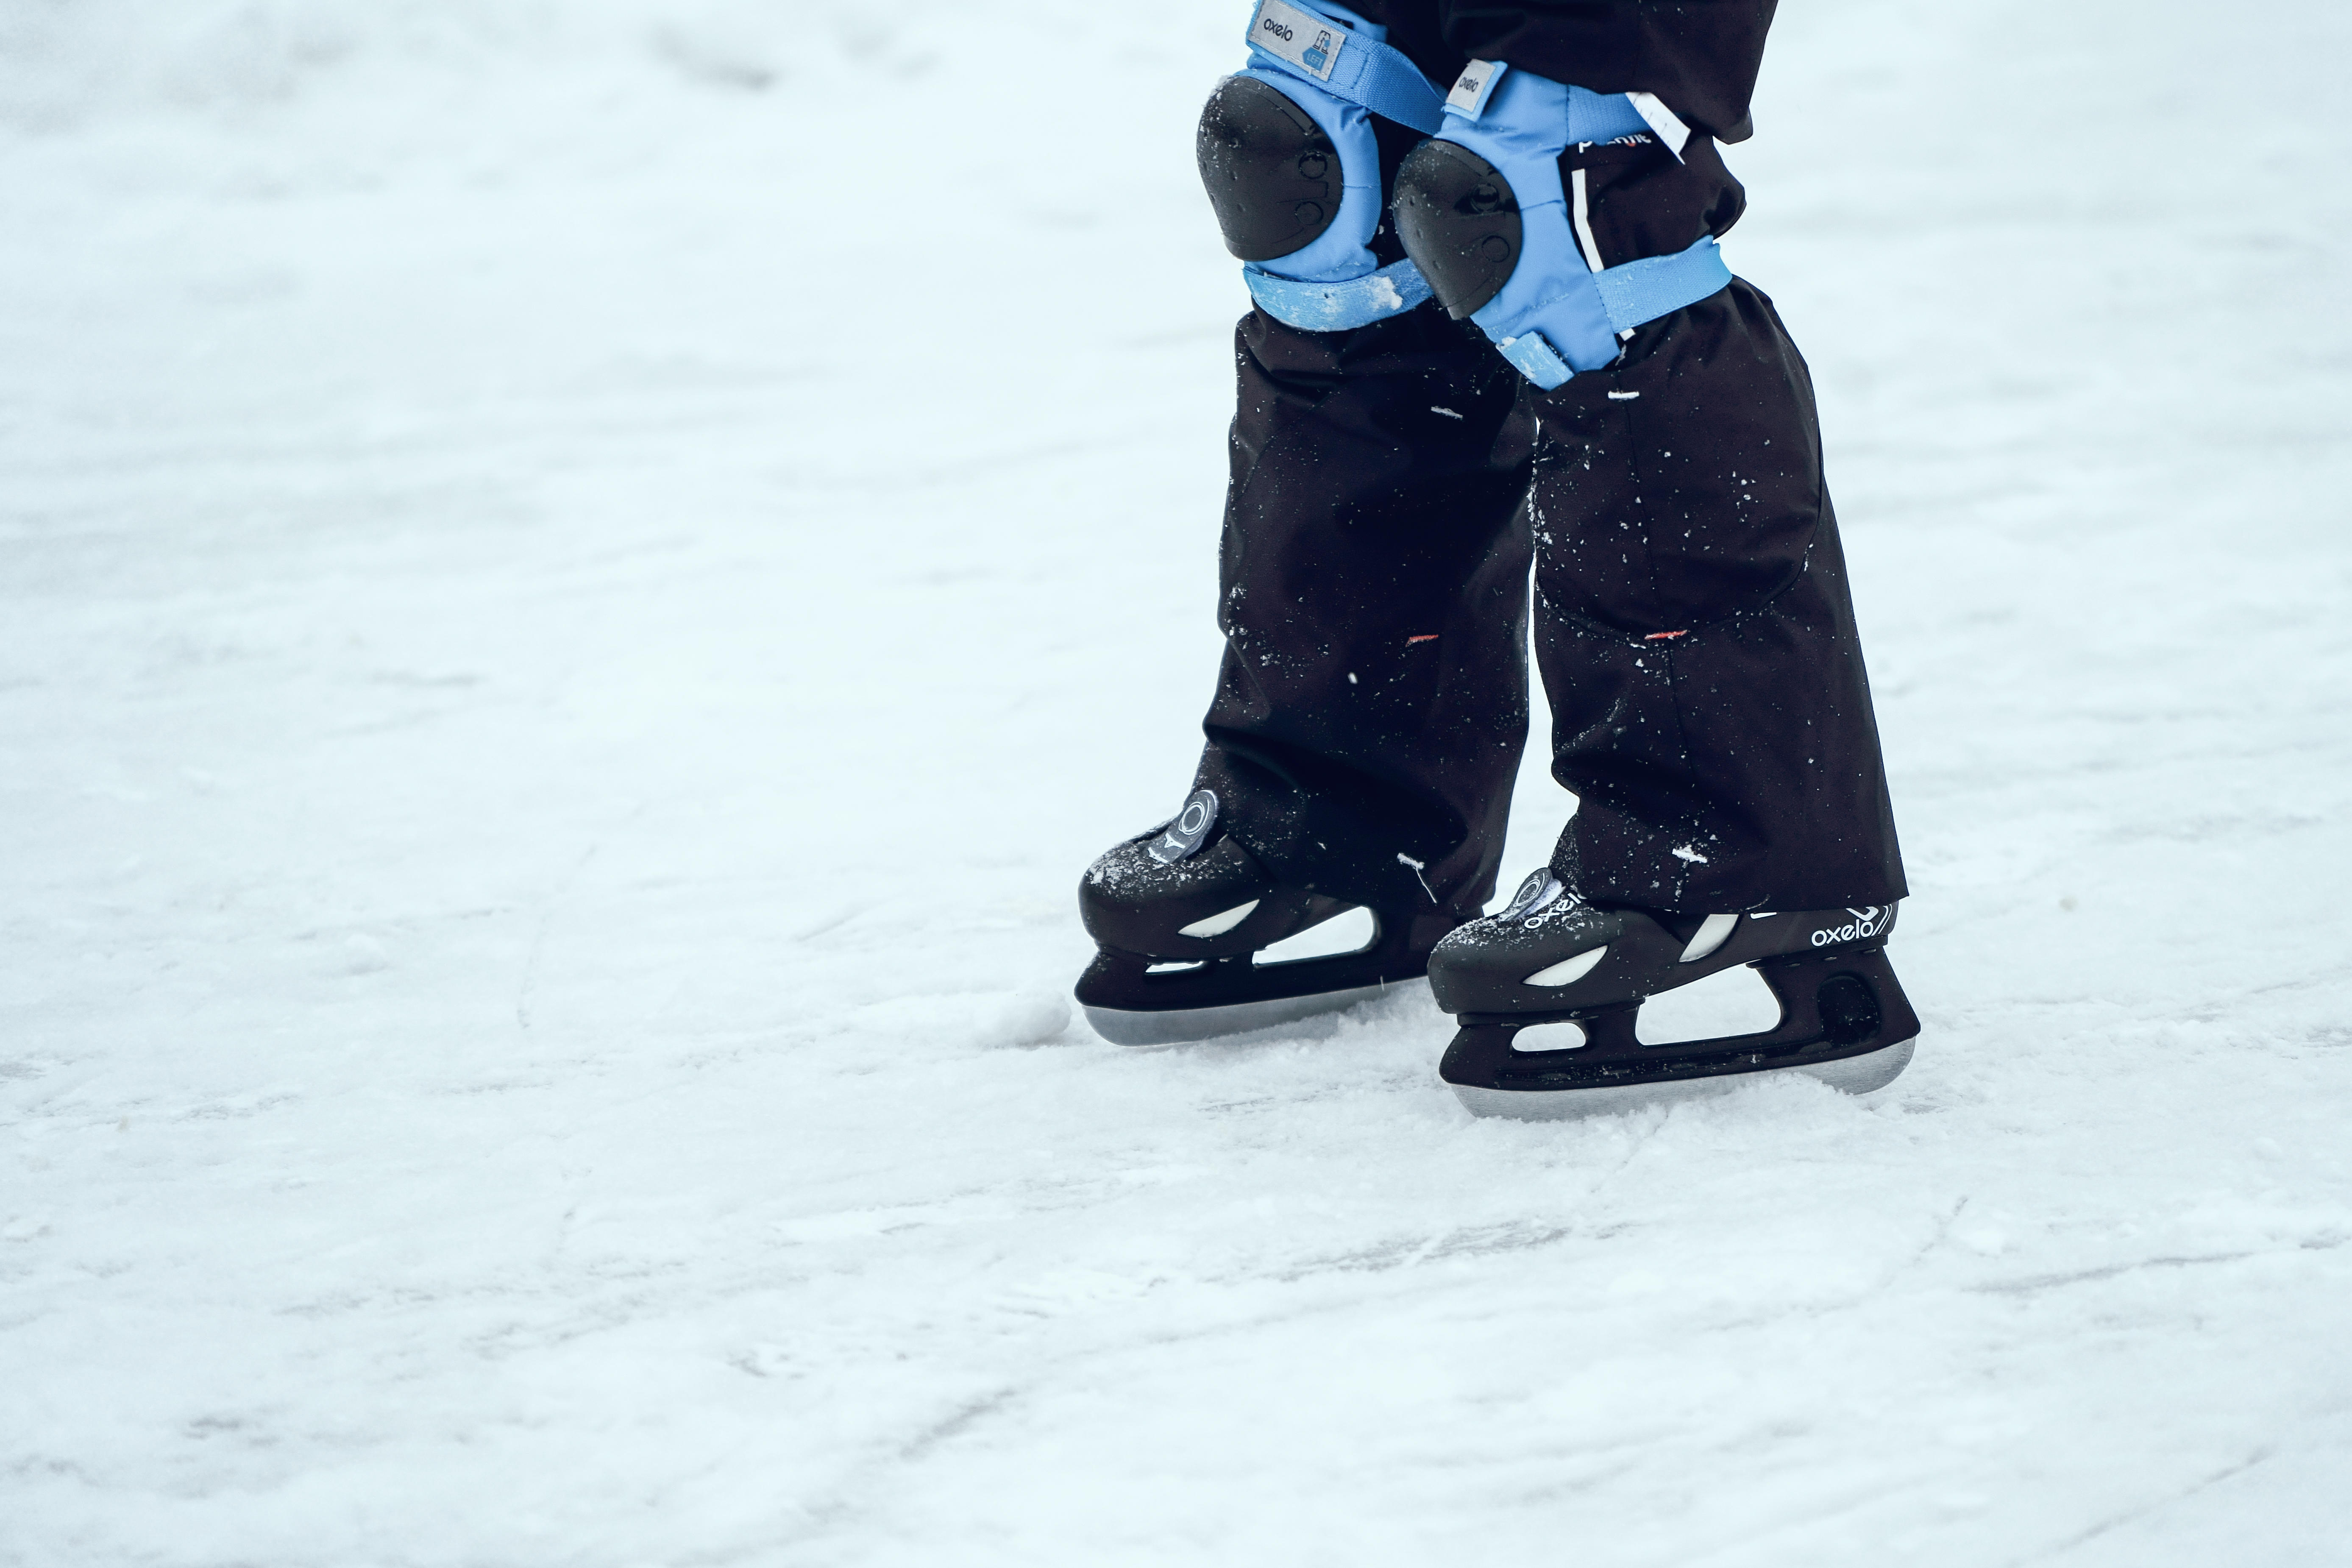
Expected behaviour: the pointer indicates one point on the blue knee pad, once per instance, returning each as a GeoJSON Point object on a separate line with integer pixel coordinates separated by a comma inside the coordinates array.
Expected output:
{"type": "Point", "coordinates": [1556, 313]}
{"type": "Point", "coordinates": [1339, 69]}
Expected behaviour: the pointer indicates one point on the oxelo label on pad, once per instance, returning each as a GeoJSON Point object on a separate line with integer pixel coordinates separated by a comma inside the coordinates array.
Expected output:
{"type": "Point", "coordinates": [1301, 38]}
{"type": "Point", "coordinates": [1474, 86]}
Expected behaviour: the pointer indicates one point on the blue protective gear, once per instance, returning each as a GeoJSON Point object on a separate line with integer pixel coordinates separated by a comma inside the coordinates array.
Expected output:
{"type": "Point", "coordinates": [1341, 251]}
{"type": "Point", "coordinates": [1337, 66]}
{"type": "Point", "coordinates": [1345, 56]}
{"type": "Point", "coordinates": [1336, 307]}
{"type": "Point", "coordinates": [1557, 314]}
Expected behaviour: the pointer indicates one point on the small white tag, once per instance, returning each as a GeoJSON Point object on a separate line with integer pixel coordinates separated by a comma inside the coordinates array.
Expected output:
{"type": "Point", "coordinates": [1302, 38]}
{"type": "Point", "coordinates": [1474, 86]}
{"type": "Point", "coordinates": [1661, 119]}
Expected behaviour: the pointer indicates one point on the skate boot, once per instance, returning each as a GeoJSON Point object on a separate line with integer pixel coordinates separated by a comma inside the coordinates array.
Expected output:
{"type": "Point", "coordinates": [1550, 957]}
{"type": "Point", "coordinates": [1182, 915]}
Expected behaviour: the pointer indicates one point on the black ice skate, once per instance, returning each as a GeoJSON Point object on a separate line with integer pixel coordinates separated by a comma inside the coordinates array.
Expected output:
{"type": "Point", "coordinates": [1182, 915]}
{"type": "Point", "coordinates": [1550, 957]}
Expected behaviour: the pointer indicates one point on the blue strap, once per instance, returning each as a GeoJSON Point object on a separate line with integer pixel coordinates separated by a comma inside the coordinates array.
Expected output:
{"type": "Point", "coordinates": [1533, 358]}
{"type": "Point", "coordinates": [1391, 86]}
{"type": "Point", "coordinates": [1626, 296]}
{"type": "Point", "coordinates": [1287, 36]}
{"type": "Point", "coordinates": [1585, 116]}
{"type": "Point", "coordinates": [1337, 306]}
{"type": "Point", "coordinates": [1602, 117]}
{"type": "Point", "coordinates": [1633, 292]}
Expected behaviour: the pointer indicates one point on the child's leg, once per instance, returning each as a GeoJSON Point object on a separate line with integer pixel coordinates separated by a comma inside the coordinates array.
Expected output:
{"type": "Point", "coordinates": [1371, 704]}
{"type": "Point", "coordinates": [1709, 709]}
{"type": "Point", "coordinates": [1695, 632]}
{"type": "Point", "coordinates": [1372, 701]}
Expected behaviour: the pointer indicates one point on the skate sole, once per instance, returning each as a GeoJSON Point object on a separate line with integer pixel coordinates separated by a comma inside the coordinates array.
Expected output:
{"type": "Point", "coordinates": [1849, 1075]}
{"type": "Point", "coordinates": [1179, 1025]}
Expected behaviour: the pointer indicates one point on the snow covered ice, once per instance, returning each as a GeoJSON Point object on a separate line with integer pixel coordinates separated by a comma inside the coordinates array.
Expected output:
{"type": "Point", "coordinates": [563, 646]}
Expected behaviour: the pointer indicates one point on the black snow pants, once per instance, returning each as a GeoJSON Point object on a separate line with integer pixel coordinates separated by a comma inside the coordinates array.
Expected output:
{"type": "Point", "coordinates": [1691, 618]}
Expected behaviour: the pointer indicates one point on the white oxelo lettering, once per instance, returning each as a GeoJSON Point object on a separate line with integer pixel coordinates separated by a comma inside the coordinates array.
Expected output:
{"type": "Point", "coordinates": [1865, 923]}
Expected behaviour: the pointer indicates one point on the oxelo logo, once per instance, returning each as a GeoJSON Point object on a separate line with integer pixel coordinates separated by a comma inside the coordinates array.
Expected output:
{"type": "Point", "coordinates": [1297, 37]}
{"type": "Point", "coordinates": [1866, 922]}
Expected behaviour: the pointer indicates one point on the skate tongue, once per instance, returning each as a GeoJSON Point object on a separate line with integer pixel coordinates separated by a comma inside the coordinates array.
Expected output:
{"type": "Point", "coordinates": [1181, 838]}
{"type": "Point", "coordinates": [1540, 889]}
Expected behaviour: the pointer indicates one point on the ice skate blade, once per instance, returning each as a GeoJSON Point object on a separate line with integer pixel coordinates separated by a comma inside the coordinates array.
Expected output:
{"type": "Point", "coordinates": [1849, 1075]}
{"type": "Point", "coordinates": [1176, 1026]}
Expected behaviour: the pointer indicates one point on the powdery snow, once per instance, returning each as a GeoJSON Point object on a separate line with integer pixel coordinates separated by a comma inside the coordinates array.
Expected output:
{"type": "Point", "coordinates": [560, 687]}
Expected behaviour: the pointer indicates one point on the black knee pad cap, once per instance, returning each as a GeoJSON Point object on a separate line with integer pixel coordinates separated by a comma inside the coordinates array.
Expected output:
{"type": "Point", "coordinates": [1459, 220]}
{"type": "Point", "coordinates": [1272, 175]}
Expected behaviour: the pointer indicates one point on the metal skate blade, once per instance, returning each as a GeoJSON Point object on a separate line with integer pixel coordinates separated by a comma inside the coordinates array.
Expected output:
{"type": "Point", "coordinates": [1853, 1074]}
{"type": "Point", "coordinates": [1860, 1075]}
{"type": "Point", "coordinates": [1129, 1026]}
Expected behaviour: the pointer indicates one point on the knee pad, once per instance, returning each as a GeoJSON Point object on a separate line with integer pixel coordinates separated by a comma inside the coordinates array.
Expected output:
{"type": "Point", "coordinates": [1484, 213]}
{"type": "Point", "coordinates": [1273, 174]}
{"type": "Point", "coordinates": [1459, 219]}
{"type": "Point", "coordinates": [1292, 167]}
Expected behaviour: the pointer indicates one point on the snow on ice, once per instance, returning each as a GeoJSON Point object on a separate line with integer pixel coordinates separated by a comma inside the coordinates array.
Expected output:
{"type": "Point", "coordinates": [558, 690]}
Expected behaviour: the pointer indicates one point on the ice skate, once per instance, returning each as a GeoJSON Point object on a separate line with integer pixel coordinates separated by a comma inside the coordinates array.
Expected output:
{"type": "Point", "coordinates": [1551, 958]}
{"type": "Point", "coordinates": [1183, 916]}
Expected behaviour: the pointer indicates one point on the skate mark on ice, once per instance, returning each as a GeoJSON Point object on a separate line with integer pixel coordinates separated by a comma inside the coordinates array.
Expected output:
{"type": "Point", "coordinates": [919, 1446]}
{"type": "Point", "coordinates": [1476, 1241]}
{"type": "Point", "coordinates": [1920, 1254]}
{"type": "Point", "coordinates": [538, 937]}
{"type": "Point", "coordinates": [860, 1224]}
{"type": "Point", "coordinates": [2133, 1515]}
{"type": "Point", "coordinates": [1858, 1297]}
{"type": "Point", "coordinates": [2034, 1282]}
{"type": "Point", "coordinates": [831, 921]}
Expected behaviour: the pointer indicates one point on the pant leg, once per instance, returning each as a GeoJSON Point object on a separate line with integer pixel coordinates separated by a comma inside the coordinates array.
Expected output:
{"type": "Point", "coordinates": [1372, 706]}
{"type": "Point", "coordinates": [1697, 642]}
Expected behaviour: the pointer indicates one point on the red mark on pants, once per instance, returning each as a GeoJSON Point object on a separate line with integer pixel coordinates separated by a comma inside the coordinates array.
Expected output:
{"type": "Point", "coordinates": [1655, 637]}
{"type": "Point", "coordinates": [1425, 636]}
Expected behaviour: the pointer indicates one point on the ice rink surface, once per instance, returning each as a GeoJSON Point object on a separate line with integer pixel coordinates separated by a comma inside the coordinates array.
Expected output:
{"type": "Point", "coordinates": [581, 580]}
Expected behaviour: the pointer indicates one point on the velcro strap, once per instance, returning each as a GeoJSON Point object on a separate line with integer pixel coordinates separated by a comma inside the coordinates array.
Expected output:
{"type": "Point", "coordinates": [1602, 117]}
{"type": "Point", "coordinates": [1345, 64]}
{"type": "Point", "coordinates": [1590, 116]}
{"type": "Point", "coordinates": [1624, 297]}
{"type": "Point", "coordinates": [1337, 306]}
{"type": "Point", "coordinates": [1633, 292]}
{"type": "Point", "coordinates": [1534, 358]}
